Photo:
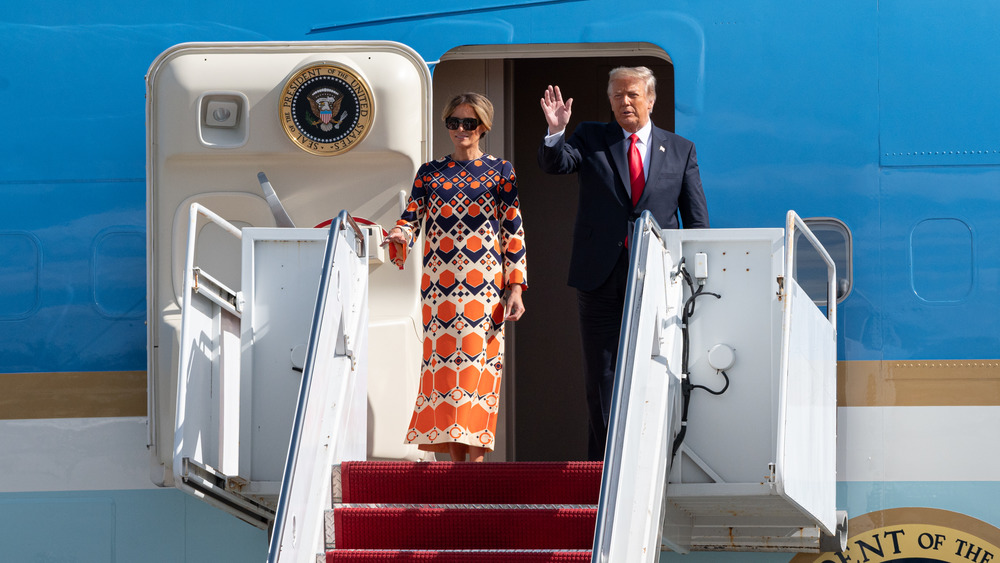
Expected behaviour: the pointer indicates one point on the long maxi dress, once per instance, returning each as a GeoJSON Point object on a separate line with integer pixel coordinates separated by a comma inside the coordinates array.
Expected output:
{"type": "Point", "coordinates": [473, 249]}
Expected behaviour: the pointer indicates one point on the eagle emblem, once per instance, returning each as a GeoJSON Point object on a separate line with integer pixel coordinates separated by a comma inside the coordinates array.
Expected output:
{"type": "Point", "coordinates": [325, 102]}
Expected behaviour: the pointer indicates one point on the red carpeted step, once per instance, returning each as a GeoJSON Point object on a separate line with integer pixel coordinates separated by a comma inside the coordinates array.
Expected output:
{"type": "Point", "coordinates": [464, 528]}
{"type": "Point", "coordinates": [498, 556]}
{"type": "Point", "coordinates": [393, 482]}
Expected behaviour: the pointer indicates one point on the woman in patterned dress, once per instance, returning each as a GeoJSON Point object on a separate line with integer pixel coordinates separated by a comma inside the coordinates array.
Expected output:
{"type": "Point", "coordinates": [473, 274]}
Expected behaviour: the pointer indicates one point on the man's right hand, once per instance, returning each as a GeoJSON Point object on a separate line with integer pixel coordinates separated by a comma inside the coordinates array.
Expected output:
{"type": "Point", "coordinates": [557, 112]}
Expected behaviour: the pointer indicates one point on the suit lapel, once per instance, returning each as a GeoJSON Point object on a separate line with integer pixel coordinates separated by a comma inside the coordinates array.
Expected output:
{"type": "Point", "coordinates": [657, 156]}
{"type": "Point", "coordinates": [616, 146]}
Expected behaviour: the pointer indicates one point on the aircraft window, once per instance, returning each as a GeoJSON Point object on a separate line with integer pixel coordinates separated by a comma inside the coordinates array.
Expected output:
{"type": "Point", "coordinates": [810, 269]}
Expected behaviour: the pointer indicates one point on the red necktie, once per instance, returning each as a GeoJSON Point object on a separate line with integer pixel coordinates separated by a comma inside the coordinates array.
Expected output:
{"type": "Point", "coordinates": [635, 170]}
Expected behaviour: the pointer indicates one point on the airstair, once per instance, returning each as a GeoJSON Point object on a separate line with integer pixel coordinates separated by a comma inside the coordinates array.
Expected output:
{"type": "Point", "coordinates": [672, 477]}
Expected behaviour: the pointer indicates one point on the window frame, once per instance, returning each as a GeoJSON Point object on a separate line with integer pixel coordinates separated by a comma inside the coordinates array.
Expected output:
{"type": "Point", "coordinates": [845, 271]}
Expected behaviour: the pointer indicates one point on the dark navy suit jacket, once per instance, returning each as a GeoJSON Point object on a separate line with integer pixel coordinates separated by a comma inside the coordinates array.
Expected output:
{"type": "Point", "coordinates": [596, 152]}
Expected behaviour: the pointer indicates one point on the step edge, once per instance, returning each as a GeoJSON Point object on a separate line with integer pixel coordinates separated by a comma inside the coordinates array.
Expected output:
{"type": "Point", "coordinates": [498, 552]}
{"type": "Point", "coordinates": [468, 506]}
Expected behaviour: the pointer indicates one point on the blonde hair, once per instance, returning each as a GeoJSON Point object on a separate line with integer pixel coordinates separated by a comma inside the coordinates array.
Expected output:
{"type": "Point", "coordinates": [479, 104]}
{"type": "Point", "coordinates": [634, 73]}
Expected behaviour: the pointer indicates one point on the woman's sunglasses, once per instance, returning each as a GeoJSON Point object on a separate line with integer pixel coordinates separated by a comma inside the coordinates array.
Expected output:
{"type": "Point", "coordinates": [467, 123]}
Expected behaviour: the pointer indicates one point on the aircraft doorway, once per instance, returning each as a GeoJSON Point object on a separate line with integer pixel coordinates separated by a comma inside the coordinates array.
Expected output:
{"type": "Point", "coordinates": [543, 413]}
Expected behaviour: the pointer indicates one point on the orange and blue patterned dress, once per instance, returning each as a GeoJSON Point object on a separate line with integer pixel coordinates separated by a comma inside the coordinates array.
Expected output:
{"type": "Point", "coordinates": [473, 249]}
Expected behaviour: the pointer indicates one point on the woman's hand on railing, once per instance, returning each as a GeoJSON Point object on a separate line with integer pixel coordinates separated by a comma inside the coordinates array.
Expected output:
{"type": "Point", "coordinates": [396, 235]}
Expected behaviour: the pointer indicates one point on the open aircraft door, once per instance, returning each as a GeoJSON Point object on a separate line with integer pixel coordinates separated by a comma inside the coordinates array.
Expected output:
{"type": "Point", "coordinates": [335, 126]}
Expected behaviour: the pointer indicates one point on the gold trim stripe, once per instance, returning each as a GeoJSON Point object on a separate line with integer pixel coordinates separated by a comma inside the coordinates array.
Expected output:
{"type": "Point", "coordinates": [948, 383]}
{"type": "Point", "coordinates": [955, 383]}
{"type": "Point", "coordinates": [72, 394]}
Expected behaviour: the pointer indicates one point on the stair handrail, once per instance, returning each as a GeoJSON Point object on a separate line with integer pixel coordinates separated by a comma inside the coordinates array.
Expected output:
{"type": "Point", "coordinates": [627, 477]}
{"type": "Point", "coordinates": [823, 411]}
{"type": "Point", "coordinates": [793, 222]}
{"type": "Point", "coordinates": [323, 404]}
{"type": "Point", "coordinates": [184, 442]}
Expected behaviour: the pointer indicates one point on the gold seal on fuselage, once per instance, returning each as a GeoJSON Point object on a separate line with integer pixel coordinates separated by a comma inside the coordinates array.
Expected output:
{"type": "Point", "coordinates": [326, 109]}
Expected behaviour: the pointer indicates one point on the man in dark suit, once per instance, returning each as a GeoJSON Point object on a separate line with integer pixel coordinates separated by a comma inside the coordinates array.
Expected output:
{"type": "Point", "coordinates": [624, 167]}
